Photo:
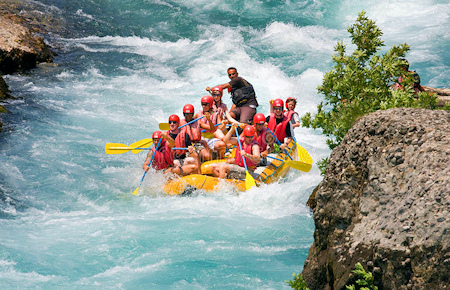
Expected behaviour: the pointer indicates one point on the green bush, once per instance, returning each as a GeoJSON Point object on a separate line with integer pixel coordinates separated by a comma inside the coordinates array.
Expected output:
{"type": "Point", "coordinates": [360, 83]}
{"type": "Point", "coordinates": [365, 279]}
{"type": "Point", "coordinates": [298, 283]}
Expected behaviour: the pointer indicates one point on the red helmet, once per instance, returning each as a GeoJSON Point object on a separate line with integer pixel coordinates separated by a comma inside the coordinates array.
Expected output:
{"type": "Point", "coordinates": [174, 118]}
{"type": "Point", "coordinates": [217, 88]}
{"type": "Point", "coordinates": [278, 103]}
{"type": "Point", "coordinates": [259, 118]}
{"type": "Point", "coordinates": [291, 99]}
{"type": "Point", "coordinates": [208, 99]}
{"type": "Point", "coordinates": [249, 131]}
{"type": "Point", "coordinates": [188, 109]}
{"type": "Point", "coordinates": [156, 135]}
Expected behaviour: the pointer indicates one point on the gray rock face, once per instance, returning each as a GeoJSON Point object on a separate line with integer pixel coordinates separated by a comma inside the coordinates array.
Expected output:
{"type": "Point", "coordinates": [385, 202]}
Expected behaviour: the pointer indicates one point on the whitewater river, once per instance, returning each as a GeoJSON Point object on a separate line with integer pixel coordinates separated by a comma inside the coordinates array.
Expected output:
{"type": "Point", "coordinates": [67, 215]}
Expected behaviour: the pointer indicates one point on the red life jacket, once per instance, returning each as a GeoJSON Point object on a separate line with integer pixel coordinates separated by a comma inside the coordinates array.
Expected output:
{"type": "Point", "coordinates": [280, 129]}
{"type": "Point", "coordinates": [261, 139]}
{"type": "Point", "coordinates": [193, 130]}
{"type": "Point", "coordinates": [205, 121]}
{"type": "Point", "coordinates": [289, 114]}
{"type": "Point", "coordinates": [163, 157]}
{"type": "Point", "coordinates": [248, 149]}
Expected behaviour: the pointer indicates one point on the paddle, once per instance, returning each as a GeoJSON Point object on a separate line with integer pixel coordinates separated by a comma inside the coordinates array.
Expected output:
{"type": "Point", "coordinates": [204, 130]}
{"type": "Point", "coordinates": [249, 180]}
{"type": "Point", "coordinates": [278, 142]}
{"type": "Point", "coordinates": [165, 126]}
{"type": "Point", "coordinates": [301, 153]}
{"type": "Point", "coordinates": [306, 161]}
{"type": "Point", "coordinates": [120, 148]}
{"type": "Point", "coordinates": [156, 148]}
{"type": "Point", "coordinates": [141, 143]}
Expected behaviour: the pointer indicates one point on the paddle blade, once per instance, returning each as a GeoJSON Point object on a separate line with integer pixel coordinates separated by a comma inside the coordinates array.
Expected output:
{"type": "Point", "coordinates": [135, 192]}
{"type": "Point", "coordinates": [303, 155]}
{"type": "Point", "coordinates": [299, 165]}
{"type": "Point", "coordinates": [305, 160]}
{"type": "Point", "coordinates": [116, 148]}
{"type": "Point", "coordinates": [164, 126]}
{"type": "Point", "coordinates": [140, 144]}
{"type": "Point", "coordinates": [249, 181]}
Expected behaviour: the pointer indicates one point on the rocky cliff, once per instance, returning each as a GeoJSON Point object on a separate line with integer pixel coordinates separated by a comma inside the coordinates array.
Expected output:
{"type": "Point", "coordinates": [21, 43]}
{"type": "Point", "coordinates": [384, 202]}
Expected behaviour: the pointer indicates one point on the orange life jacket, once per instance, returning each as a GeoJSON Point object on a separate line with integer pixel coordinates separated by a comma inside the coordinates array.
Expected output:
{"type": "Point", "coordinates": [192, 129]}
{"type": "Point", "coordinates": [180, 142]}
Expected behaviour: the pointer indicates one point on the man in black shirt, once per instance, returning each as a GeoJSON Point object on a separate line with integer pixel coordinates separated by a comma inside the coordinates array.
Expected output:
{"type": "Point", "coordinates": [243, 96]}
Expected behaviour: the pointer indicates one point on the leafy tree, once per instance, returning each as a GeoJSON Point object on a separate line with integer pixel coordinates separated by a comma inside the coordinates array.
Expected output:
{"type": "Point", "coordinates": [360, 83]}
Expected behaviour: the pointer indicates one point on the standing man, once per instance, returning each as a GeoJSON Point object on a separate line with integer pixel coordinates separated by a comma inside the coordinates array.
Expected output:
{"type": "Point", "coordinates": [243, 96]}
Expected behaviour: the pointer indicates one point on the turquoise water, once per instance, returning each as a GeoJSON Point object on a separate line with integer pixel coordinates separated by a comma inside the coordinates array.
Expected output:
{"type": "Point", "coordinates": [67, 216]}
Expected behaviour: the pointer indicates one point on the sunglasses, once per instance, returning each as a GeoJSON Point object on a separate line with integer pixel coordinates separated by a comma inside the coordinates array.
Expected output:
{"type": "Point", "coordinates": [248, 137]}
{"type": "Point", "coordinates": [216, 95]}
{"type": "Point", "coordinates": [172, 122]}
{"type": "Point", "coordinates": [259, 123]}
{"type": "Point", "coordinates": [205, 104]}
{"type": "Point", "coordinates": [188, 114]}
{"type": "Point", "coordinates": [278, 108]}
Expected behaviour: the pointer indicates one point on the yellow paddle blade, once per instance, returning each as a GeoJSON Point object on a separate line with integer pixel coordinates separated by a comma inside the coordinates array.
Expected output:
{"type": "Point", "coordinates": [305, 160]}
{"type": "Point", "coordinates": [303, 155]}
{"type": "Point", "coordinates": [136, 191]}
{"type": "Point", "coordinates": [164, 126]}
{"type": "Point", "coordinates": [249, 180]}
{"type": "Point", "coordinates": [299, 165]}
{"type": "Point", "coordinates": [116, 148]}
{"type": "Point", "coordinates": [141, 144]}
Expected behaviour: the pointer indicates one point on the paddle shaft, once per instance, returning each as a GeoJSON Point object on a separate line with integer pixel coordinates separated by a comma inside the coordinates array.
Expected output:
{"type": "Point", "coordinates": [240, 147]}
{"type": "Point", "coordinates": [275, 158]}
{"type": "Point", "coordinates": [190, 122]}
{"type": "Point", "coordinates": [204, 130]}
{"type": "Point", "coordinates": [278, 142]}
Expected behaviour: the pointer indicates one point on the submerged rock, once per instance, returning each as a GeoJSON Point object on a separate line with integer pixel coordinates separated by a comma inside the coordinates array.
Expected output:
{"type": "Point", "coordinates": [385, 202]}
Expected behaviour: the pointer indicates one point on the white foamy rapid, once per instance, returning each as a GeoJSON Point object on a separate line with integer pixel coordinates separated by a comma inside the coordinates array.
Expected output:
{"type": "Point", "coordinates": [68, 219]}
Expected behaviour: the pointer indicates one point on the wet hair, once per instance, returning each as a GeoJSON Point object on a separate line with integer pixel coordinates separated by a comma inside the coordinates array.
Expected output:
{"type": "Point", "coordinates": [291, 100]}
{"type": "Point", "coordinates": [231, 67]}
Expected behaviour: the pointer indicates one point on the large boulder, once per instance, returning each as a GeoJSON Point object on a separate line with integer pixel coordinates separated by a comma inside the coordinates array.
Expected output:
{"type": "Point", "coordinates": [20, 48]}
{"type": "Point", "coordinates": [384, 202]}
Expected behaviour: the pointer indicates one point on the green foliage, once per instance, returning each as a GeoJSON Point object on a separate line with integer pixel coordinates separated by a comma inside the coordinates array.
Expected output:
{"type": "Point", "coordinates": [365, 281]}
{"type": "Point", "coordinates": [360, 83]}
{"type": "Point", "coordinates": [298, 283]}
{"type": "Point", "coordinates": [322, 165]}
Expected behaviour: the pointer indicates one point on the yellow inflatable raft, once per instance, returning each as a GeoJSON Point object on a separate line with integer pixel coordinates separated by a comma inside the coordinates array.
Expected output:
{"type": "Point", "coordinates": [277, 167]}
